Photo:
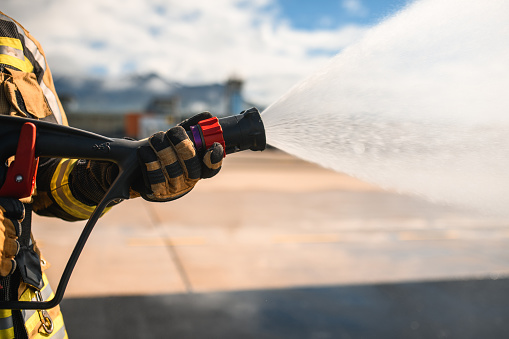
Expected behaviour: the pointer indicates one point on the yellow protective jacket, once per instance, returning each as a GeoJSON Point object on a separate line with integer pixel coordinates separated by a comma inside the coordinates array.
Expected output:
{"type": "Point", "coordinates": [65, 188]}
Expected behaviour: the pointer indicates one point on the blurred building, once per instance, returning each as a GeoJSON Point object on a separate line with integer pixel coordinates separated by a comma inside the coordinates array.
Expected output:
{"type": "Point", "coordinates": [185, 101]}
{"type": "Point", "coordinates": [154, 111]}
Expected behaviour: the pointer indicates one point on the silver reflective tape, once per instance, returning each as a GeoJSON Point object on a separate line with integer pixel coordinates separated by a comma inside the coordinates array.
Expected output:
{"type": "Point", "coordinates": [8, 50]}
{"type": "Point", "coordinates": [52, 101]}
{"type": "Point", "coordinates": [32, 47]}
{"type": "Point", "coordinates": [60, 334]}
{"type": "Point", "coordinates": [6, 323]}
{"type": "Point", "coordinates": [46, 292]}
{"type": "Point", "coordinates": [27, 314]}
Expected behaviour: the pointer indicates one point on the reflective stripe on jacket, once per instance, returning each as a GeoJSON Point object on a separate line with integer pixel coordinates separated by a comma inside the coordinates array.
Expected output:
{"type": "Point", "coordinates": [33, 318]}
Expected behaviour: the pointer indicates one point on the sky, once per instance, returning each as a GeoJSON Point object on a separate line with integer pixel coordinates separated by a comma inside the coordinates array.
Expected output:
{"type": "Point", "coordinates": [270, 44]}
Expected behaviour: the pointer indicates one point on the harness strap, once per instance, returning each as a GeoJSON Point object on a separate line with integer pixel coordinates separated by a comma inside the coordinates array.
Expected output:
{"type": "Point", "coordinates": [27, 260]}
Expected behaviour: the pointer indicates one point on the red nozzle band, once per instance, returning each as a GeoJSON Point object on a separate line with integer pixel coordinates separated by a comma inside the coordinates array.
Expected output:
{"type": "Point", "coordinates": [212, 132]}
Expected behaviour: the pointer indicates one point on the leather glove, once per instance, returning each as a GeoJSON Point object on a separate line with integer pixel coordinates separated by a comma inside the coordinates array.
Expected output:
{"type": "Point", "coordinates": [12, 213]}
{"type": "Point", "coordinates": [171, 166]}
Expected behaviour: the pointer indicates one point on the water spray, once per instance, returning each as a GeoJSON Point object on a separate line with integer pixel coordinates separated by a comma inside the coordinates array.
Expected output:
{"type": "Point", "coordinates": [28, 139]}
{"type": "Point", "coordinates": [417, 106]}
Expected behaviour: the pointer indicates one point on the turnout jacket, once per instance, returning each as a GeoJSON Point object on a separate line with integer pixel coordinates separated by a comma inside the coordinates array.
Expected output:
{"type": "Point", "coordinates": [65, 188]}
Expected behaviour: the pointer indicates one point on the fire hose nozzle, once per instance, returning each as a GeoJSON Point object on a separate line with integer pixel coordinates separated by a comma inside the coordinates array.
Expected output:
{"type": "Point", "coordinates": [236, 132]}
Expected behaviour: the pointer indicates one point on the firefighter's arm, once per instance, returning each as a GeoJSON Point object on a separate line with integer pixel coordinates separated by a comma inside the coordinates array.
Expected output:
{"type": "Point", "coordinates": [70, 189]}
{"type": "Point", "coordinates": [170, 167]}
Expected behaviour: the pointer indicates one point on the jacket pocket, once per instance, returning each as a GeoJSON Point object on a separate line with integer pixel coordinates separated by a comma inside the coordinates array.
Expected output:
{"type": "Point", "coordinates": [23, 95]}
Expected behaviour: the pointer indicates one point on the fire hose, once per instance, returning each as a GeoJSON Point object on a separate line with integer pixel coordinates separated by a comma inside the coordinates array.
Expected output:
{"type": "Point", "coordinates": [28, 139]}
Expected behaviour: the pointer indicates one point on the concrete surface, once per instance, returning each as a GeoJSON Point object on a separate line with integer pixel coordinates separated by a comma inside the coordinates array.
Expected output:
{"type": "Point", "coordinates": [271, 224]}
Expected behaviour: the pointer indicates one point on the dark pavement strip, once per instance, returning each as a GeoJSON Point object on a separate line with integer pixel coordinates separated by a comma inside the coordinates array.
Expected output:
{"type": "Point", "coordinates": [442, 309]}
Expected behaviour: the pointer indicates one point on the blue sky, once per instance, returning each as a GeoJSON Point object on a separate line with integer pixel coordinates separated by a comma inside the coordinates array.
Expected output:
{"type": "Point", "coordinates": [326, 14]}
{"type": "Point", "coordinates": [271, 44]}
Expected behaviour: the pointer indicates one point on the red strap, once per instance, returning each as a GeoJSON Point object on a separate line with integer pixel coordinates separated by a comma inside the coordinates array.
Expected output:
{"type": "Point", "coordinates": [212, 132]}
{"type": "Point", "coordinates": [20, 179]}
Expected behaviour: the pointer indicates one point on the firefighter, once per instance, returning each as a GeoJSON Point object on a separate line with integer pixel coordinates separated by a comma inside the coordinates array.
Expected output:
{"type": "Point", "coordinates": [68, 188]}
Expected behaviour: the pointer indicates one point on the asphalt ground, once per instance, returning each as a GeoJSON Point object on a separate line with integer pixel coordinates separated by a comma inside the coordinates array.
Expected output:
{"type": "Point", "coordinates": [467, 309]}
{"type": "Point", "coordinates": [274, 247]}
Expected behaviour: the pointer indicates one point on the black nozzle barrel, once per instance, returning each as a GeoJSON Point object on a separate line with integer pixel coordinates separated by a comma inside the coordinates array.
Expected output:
{"type": "Point", "coordinates": [239, 132]}
{"type": "Point", "coordinates": [243, 131]}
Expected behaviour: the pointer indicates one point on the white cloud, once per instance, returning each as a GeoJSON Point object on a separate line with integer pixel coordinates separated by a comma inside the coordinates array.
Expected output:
{"type": "Point", "coordinates": [354, 7]}
{"type": "Point", "coordinates": [192, 41]}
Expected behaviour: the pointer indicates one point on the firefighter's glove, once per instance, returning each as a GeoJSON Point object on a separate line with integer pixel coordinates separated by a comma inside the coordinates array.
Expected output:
{"type": "Point", "coordinates": [170, 165]}
{"type": "Point", "coordinates": [12, 213]}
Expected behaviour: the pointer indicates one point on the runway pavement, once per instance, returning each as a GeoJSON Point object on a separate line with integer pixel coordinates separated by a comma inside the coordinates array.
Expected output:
{"type": "Point", "coordinates": [314, 243]}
